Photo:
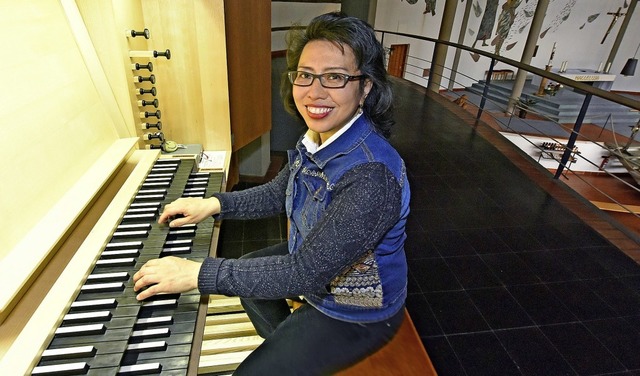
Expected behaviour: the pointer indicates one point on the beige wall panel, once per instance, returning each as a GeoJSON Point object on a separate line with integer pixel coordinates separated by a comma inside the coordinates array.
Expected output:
{"type": "Point", "coordinates": [215, 92]}
{"type": "Point", "coordinates": [109, 41]}
{"type": "Point", "coordinates": [192, 85]}
{"type": "Point", "coordinates": [178, 79]}
{"type": "Point", "coordinates": [52, 123]}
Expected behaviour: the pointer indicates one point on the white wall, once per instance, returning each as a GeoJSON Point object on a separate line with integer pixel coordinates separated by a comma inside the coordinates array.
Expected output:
{"type": "Point", "coordinates": [580, 47]}
{"type": "Point", "coordinates": [285, 14]}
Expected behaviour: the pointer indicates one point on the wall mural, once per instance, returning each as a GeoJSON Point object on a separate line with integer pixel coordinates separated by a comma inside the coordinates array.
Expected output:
{"type": "Point", "coordinates": [488, 20]}
{"type": "Point", "coordinates": [513, 20]}
{"type": "Point", "coordinates": [505, 22]}
{"type": "Point", "coordinates": [515, 17]}
{"type": "Point", "coordinates": [430, 6]}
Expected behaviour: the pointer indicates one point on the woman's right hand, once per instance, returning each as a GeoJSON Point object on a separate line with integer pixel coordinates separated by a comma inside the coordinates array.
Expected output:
{"type": "Point", "coordinates": [190, 210]}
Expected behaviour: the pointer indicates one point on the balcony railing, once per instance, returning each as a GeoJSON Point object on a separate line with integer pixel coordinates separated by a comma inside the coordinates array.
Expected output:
{"type": "Point", "coordinates": [552, 119]}
{"type": "Point", "coordinates": [573, 128]}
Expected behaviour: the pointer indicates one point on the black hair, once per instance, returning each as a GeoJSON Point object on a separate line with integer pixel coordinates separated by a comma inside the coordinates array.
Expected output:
{"type": "Point", "coordinates": [343, 30]}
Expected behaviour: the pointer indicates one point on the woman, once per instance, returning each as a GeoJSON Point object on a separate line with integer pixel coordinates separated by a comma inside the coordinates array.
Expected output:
{"type": "Point", "coordinates": [346, 196]}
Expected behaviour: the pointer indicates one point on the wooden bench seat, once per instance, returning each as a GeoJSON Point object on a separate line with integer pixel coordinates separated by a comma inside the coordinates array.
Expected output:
{"type": "Point", "coordinates": [403, 355]}
{"type": "Point", "coordinates": [229, 337]}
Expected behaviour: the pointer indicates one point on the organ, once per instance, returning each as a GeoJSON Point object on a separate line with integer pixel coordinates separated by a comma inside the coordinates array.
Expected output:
{"type": "Point", "coordinates": [76, 75]}
{"type": "Point", "coordinates": [106, 330]}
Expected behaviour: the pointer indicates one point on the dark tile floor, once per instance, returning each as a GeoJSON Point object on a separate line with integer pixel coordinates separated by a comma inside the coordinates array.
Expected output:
{"type": "Point", "coordinates": [504, 278]}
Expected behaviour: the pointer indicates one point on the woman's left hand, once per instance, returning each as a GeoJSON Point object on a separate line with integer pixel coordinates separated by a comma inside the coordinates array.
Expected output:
{"type": "Point", "coordinates": [166, 275]}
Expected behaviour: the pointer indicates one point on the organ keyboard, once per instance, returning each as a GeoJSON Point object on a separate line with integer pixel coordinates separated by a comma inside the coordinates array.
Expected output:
{"type": "Point", "coordinates": [104, 330]}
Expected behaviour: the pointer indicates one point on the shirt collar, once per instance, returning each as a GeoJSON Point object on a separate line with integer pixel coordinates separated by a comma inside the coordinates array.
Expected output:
{"type": "Point", "coordinates": [311, 139]}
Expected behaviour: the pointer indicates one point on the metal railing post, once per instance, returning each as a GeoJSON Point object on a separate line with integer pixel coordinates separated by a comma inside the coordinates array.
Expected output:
{"type": "Point", "coordinates": [485, 91]}
{"type": "Point", "coordinates": [574, 136]}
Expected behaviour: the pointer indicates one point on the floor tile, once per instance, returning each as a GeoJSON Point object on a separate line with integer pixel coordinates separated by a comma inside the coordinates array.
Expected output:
{"type": "Point", "coordinates": [494, 302]}
{"type": "Point", "coordinates": [442, 356]}
{"type": "Point", "coordinates": [545, 265]}
{"type": "Point", "coordinates": [623, 300]}
{"type": "Point", "coordinates": [620, 338]}
{"type": "Point", "coordinates": [485, 241]}
{"type": "Point", "coordinates": [483, 354]}
{"type": "Point", "coordinates": [541, 304]}
{"type": "Point", "coordinates": [434, 275]}
{"type": "Point", "coordinates": [582, 350]}
{"type": "Point", "coordinates": [471, 272]}
{"type": "Point", "coordinates": [510, 269]}
{"type": "Point", "coordinates": [581, 300]}
{"type": "Point", "coordinates": [456, 312]}
{"type": "Point", "coordinates": [422, 316]}
{"type": "Point", "coordinates": [533, 353]}
{"type": "Point", "coordinates": [451, 243]}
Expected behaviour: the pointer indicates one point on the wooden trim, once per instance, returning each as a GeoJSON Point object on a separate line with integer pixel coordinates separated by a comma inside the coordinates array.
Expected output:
{"type": "Point", "coordinates": [16, 271]}
{"type": "Point", "coordinates": [620, 208]}
{"type": "Point", "coordinates": [31, 339]}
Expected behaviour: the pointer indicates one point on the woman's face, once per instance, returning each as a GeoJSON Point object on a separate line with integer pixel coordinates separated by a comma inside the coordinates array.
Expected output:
{"type": "Point", "coordinates": [327, 110]}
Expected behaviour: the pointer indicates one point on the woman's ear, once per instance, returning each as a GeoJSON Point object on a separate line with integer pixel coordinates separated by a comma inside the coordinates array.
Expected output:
{"type": "Point", "coordinates": [368, 85]}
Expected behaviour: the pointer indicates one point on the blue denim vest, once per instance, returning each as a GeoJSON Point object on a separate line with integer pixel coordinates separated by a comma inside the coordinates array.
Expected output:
{"type": "Point", "coordinates": [309, 192]}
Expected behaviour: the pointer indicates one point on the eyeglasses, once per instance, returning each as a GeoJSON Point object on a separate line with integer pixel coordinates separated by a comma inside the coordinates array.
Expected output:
{"type": "Point", "coordinates": [327, 80]}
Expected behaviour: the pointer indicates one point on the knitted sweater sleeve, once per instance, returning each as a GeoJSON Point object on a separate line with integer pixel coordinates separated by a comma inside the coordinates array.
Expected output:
{"type": "Point", "coordinates": [365, 205]}
{"type": "Point", "coordinates": [258, 202]}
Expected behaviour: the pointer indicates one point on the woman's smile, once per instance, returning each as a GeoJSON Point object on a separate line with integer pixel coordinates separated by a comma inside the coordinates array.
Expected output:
{"type": "Point", "coordinates": [318, 112]}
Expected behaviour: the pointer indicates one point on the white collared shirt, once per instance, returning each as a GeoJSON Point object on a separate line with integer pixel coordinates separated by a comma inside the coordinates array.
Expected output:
{"type": "Point", "coordinates": [313, 146]}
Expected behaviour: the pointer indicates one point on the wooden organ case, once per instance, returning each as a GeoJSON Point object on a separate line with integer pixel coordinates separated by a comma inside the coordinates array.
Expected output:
{"type": "Point", "coordinates": [75, 167]}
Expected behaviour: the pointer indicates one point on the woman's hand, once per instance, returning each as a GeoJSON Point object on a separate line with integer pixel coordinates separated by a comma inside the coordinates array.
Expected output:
{"type": "Point", "coordinates": [166, 275]}
{"type": "Point", "coordinates": [192, 210]}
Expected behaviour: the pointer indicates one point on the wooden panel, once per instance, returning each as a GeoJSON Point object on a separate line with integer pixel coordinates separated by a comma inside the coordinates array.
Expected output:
{"type": "Point", "coordinates": [67, 119]}
{"type": "Point", "coordinates": [109, 44]}
{"type": "Point", "coordinates": [229, 337]}
{"type": "Point", "coordinates": [219, 304]}
{"type": "Point", "coordinates": [222, 362]}
{"type": "Point", "coordinates": [21, 263]}
{"type": "Point", "coordinates": [249, 64]}
{"type": "Point", "coordinates": [192, 85]}
{"type": "Point", "coordinates": [54, 123]}
{"type": "Point", "coordinates": [622, 208]}
{"type": "Point", "coordinates": [228, 344]}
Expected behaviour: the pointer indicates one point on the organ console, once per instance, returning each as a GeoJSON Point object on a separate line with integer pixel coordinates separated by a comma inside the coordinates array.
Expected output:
{"type": "Point", "coordinates": [81, 194]}
{"type": "Point", "coordinates": [105, 329]}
